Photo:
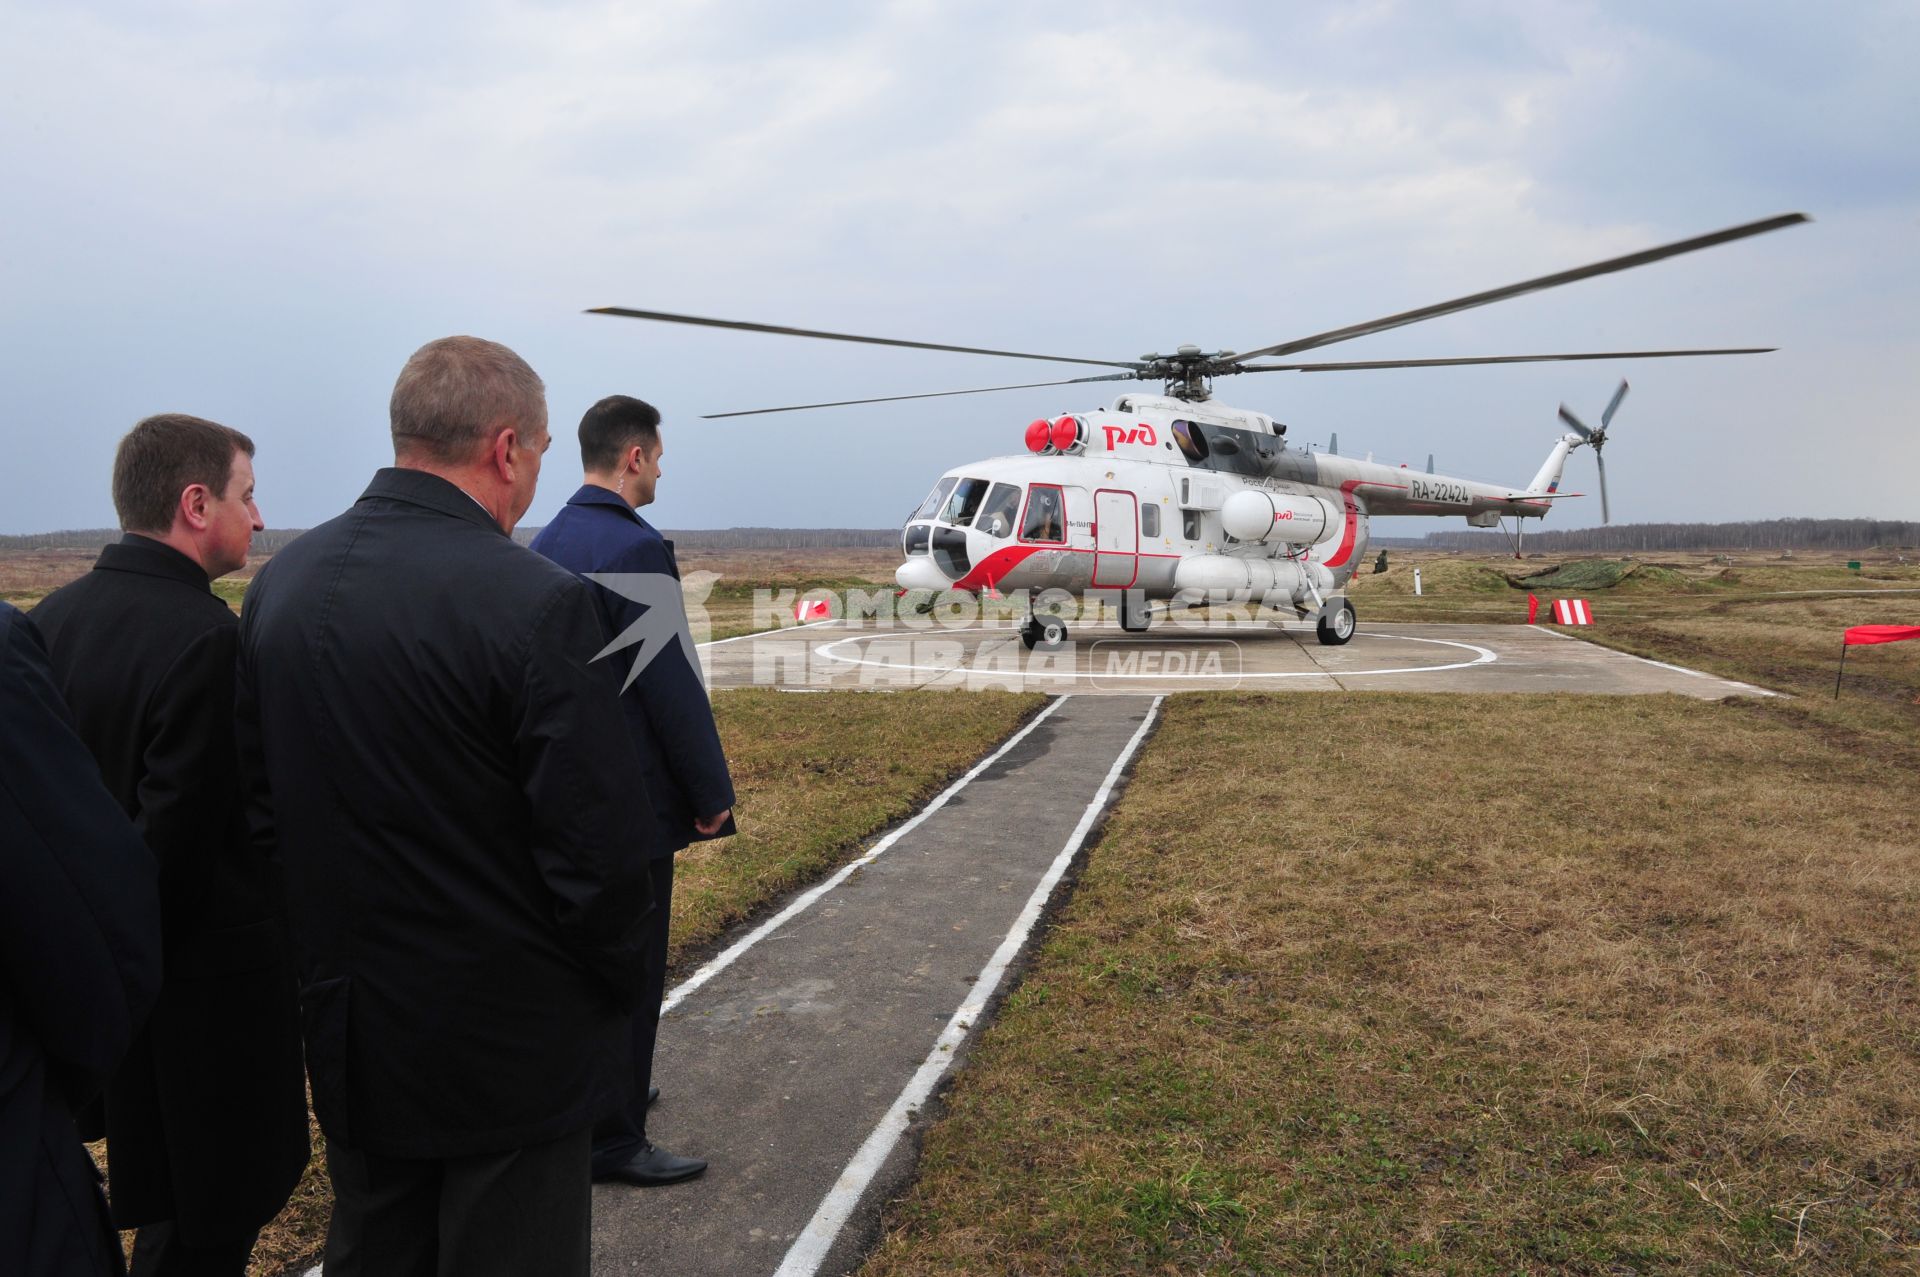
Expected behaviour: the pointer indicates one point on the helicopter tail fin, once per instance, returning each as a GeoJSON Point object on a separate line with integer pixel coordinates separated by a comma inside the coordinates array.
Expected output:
{"type": "Point", "coordinates": [1547, 482]}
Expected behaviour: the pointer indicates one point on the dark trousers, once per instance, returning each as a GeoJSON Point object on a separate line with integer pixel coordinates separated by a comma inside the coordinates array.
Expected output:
{"type": "Point", "coordinates": [159, 1252]}
{"type": "Point", "coordinates": [621, 1134]}
{"type": "Point", "coordinates": [525, 1210]}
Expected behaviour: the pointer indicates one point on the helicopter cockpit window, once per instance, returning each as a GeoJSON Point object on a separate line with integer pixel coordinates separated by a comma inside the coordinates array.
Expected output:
{"type": "Point", "coordinates": [1046, 516]}
{"type": "Point", "coordinates": [1191, 441]}
{"type": "Point", "coordinates": [964, 502]}
{"type": "Point", "coordinates": [1001, 509]}
{"type": "Point", "coordinates": [934, 498]}
{"type": "Point", "coordinates": [915, 539]}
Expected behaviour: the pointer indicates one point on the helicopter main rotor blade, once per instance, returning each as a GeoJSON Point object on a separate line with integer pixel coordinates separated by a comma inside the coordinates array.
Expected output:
{"type": "Point", "coordinates": [780, 330]}
{"type": "Point", "coordinates": [1607, 267]}
{"type": "Point", "coordinates": [1599, 460]}
{"type": "Point", "coordinates": [938, 394]}
{"type": "Point", "coordinates": [1363, 364]}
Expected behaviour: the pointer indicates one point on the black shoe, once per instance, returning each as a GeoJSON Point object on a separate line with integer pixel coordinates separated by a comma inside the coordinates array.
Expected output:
{"type": "Point", "coordinates": [653, 1094]}
{"type": "Point", "coordinates": [651, 1166]}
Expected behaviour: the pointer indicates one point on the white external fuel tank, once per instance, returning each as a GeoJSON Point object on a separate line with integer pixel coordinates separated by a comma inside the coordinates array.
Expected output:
{"type": "Point", "coordinates": [1259, 516]}
{"type": "Point", "coordinates": [1258, 578]}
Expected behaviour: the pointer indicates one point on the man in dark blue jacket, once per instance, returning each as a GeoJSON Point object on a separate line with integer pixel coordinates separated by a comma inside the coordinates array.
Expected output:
{"type": "Point", "coordinates": [667, 713]}
{"type": "Point", "coordinates": [79, 966]}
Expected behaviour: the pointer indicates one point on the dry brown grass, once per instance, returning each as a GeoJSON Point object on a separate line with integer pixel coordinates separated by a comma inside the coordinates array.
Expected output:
{"type": "Point", "coordinates": [1511, 984]}
{"type": "Point", "coordinates": [746, 570]}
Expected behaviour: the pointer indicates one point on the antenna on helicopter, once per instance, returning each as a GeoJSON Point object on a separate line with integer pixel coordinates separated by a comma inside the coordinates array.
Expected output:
{"type": "Point", "coordinates": [1598, 440]}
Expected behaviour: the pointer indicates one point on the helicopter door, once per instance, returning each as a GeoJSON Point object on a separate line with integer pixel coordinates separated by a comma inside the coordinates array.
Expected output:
{"type": "Point", "coordinates": [1116, 539]}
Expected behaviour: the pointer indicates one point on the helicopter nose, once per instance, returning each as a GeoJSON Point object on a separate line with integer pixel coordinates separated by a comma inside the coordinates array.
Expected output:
{"type": "Point", "coordinates": [919, 573]}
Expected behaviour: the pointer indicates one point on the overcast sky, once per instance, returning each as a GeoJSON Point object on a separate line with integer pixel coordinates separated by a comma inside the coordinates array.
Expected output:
{"type": "Point", "coordinates": [255, 212]}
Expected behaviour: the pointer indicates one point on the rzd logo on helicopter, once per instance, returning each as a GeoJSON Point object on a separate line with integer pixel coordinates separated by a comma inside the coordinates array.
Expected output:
{"type": "Point", "coordinates": [1143, 433]}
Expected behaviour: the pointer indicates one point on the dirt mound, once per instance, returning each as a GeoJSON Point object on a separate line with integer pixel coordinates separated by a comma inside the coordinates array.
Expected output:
{"type": "Point", "coordinates": [1587, 574]}
{"type": "Point", "coordinates": [1607, 574]}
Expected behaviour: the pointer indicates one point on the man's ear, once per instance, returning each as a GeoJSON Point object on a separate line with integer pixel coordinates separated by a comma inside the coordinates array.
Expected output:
{"type": "Point", "coordinates": [502, 454]}
{"type": "Point", "coordinates": [192, 509]}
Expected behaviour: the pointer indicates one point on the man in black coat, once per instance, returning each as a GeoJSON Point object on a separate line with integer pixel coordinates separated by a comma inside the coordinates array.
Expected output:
{"type": "Point", "coordinates": [668, 716]}
{"type": "Point", "coordinates": [79, 967]}
{"type": "Point", "coordinates": [207, 1119]}
{"type": "Point", "coordinates": [453, 796]}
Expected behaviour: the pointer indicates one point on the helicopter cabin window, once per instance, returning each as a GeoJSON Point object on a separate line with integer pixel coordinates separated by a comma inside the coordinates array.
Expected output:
{"type": "Point", "coordinates": [934, 498]}
{"type": "Point", "coordinates": [1046, 515]}
{"type": "Point", "coordinates": [1190, 524]}
{"type": "Point", "coordinates": [1191, 441]}
{"type": "Point", "coordinates": [1001, 509]}
{"type": "Point", "coordinates": [1149, 520]}
{"type": "Point", "coordinates": [965, 502]}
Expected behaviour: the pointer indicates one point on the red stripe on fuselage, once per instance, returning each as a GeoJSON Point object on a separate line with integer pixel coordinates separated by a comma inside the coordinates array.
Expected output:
{"type": "Point", "coordinates": [996, 567]}
{"type": "Point", "coordinates": [1351, 531]}
{"type": "Point", "coordinates": [993, 569]}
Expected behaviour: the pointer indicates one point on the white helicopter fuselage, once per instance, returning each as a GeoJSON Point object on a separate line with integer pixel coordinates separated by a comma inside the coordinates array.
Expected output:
{"type": "Point", "coordinates": [1163, 496]}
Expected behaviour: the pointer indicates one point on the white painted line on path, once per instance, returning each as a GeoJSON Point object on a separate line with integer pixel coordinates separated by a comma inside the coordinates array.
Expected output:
{"type": "Point", "coordinates": [1647, 660]}
{"type": "Point", "coordinates": [1484, 657]}
{"type": "Point", "coordinates": [801, 902]}
{"type": "Point", "coordinates": [784, 629]}
{"type": "Point", "coordinates": [1681, 669]}
{"type": "Point", "coordinates": [809, 1251]}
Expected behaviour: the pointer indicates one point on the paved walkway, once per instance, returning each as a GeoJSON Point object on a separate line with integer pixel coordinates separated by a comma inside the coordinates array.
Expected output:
{"type": "Point", "coordinates": [798, 1059]}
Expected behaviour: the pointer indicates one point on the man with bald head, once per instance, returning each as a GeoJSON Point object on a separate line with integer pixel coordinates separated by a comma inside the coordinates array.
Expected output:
{"type": "Point", "coordinates": [446, 773]}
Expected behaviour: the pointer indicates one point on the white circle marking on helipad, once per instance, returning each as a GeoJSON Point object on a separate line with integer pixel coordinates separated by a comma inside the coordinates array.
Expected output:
{"type": "Point", "coordinates": [1485, 656]}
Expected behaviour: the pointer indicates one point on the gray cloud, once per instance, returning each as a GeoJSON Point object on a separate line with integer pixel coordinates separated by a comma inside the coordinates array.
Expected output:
{"type": "Point", "coordinates": [256, 213]}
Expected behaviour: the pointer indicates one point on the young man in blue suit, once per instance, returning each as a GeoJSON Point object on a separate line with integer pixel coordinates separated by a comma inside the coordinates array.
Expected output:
{"type": "Point", "coordinates": [600, 531]}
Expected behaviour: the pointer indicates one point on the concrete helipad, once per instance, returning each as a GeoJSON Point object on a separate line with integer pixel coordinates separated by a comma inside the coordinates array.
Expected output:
{"type": "Point", "coordinates": [1106, 660]}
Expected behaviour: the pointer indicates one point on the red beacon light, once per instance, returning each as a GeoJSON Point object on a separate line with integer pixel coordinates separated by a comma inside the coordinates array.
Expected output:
{"type": "Point", "coordinates": [1040, 437]}
{"type": "Point", "coordinates": [1068, 434]}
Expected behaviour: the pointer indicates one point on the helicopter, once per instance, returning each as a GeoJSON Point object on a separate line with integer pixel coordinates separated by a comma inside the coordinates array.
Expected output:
{"type": "Point", "coordinates": [1159, 497]}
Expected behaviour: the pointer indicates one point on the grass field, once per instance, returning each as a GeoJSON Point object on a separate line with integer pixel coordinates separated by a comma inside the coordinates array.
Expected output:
{"type": "Point", "coordinates": [1600, 986]}
{"type": "Point", "coordinates": [1478, 985]}
{"type": "Point", "coordinates": [1770, 621]}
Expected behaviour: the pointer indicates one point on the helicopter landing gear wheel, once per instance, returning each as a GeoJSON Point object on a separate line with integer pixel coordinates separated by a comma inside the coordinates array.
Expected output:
{"type": "Point", "coordinates": [1336, 624]}
{"type": "Point", "coordinates": [1046, 633]}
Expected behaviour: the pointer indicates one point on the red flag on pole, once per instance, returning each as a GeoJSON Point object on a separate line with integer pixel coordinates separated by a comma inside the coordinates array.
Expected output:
{"type": "Point", "coordinates": [1533, 608]}
{"type": "Point", "coordinates": [1860, 635]}
{"type": "Point", "coordinates": [1857, 635]}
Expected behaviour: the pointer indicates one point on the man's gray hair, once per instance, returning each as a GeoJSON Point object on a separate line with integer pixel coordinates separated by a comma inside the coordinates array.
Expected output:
{"type": "Point", "coordinates": [456, 393]}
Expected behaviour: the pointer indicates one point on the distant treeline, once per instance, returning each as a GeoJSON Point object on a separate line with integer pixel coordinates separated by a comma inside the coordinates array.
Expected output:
{"type": "Point", "coordinates": [767, 538]}
{"type": "Point", "coordinates": [93, 538]}
{"type": "Point", "coordinates": [1769, 534]}
{"type": "Point", "coordinates": [698, 539]}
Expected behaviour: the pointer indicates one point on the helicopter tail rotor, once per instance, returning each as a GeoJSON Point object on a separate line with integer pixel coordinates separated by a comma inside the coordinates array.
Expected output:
{"type": "Point", "coordinates": [1598, 440]}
